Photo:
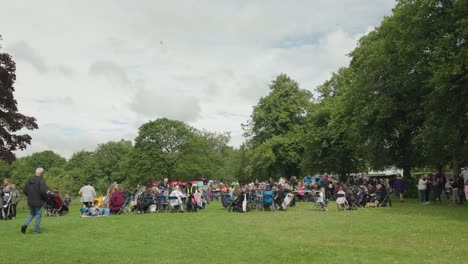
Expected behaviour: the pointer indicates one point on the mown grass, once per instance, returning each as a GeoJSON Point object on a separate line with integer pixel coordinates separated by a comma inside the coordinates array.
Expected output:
{"type": "Point", "coordinates": [404, 233]}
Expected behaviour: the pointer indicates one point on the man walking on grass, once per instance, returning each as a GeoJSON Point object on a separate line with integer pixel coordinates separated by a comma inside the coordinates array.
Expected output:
{"type": "Point", "coordinates": [36, 190]}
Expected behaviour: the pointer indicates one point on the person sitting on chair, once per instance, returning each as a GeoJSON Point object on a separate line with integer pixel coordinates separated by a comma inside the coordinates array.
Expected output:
{"type": "Point", "coordinates": [116, 201]}
{"type": "Point", "coordinates": [177, 193]}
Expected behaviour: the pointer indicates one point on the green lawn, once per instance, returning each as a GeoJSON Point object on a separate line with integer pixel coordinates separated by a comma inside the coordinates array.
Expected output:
{"type": "Point", "coordinates": [405, 233]}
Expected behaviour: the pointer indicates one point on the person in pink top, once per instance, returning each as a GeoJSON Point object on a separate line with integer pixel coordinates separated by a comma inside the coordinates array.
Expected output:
{"type": "Point", "coordinates": [466, 190]}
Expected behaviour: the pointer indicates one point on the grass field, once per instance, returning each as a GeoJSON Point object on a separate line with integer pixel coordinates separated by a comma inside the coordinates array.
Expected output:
{"type": "Point", "coordinates": [405, 233]}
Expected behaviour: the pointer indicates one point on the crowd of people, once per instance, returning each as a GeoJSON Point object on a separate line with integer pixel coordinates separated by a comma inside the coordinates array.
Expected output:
{"type": "Point", "coordinates": [10, 197]}
{"type": "Point", "coordinates": [151, 197]}
{"type": "Point", "coordinates": [319, 189]}
{"type": "Point", "coordinates": [431, 187]}
{"type": "Point", "coordinates": [190, 196]}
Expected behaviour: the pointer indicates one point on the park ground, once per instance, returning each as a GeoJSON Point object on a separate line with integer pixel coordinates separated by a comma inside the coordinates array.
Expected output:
{"type": "Point", "coordinates": [404, 233]}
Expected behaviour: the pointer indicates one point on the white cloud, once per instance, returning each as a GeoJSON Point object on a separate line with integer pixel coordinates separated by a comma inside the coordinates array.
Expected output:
{"type": "Point", "coordinates": [109, 66]}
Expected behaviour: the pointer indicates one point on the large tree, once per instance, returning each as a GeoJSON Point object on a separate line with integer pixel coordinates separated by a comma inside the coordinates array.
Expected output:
{"type": "Point", "coordinates": [160, 147]}
{"type": "Point", "coordinates": [445, 133]}
{"type": "Point", "coordinates": [11, 121]}
{"type": "Point", "coordinates": [390, 68]}
{"type": "Point", "coordinates": [114, 160]}
{"type": "Point", "coordinates": [276, 128]}
{"type": "Point", "coordinates": [331, 138]}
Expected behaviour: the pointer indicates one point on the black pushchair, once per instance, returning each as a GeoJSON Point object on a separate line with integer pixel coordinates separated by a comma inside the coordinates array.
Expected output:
{"type": "Point", "coordinates": [55, 206]}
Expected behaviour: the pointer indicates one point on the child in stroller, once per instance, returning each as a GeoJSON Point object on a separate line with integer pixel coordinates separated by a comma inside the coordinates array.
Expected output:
{"type": "Point", "coordinates": [6, 205]}
{"type": "Point", "coordinates": [55, 206]}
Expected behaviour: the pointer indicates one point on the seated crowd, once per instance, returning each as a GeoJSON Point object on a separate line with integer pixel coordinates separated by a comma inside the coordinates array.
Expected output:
{"type": "Point", "coordinates": [241, 197]}
{"type": "Point", "coordinates": [358, 191]}
{"type": "Point", "coordinates": [155, 197]}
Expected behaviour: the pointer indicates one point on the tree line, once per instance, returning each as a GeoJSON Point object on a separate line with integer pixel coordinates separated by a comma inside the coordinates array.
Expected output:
{"type": "Point", "coordinates": [402, 101]}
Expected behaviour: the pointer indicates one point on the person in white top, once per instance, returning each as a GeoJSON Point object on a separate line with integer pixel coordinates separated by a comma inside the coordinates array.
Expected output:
{"type": "Point", "coordinates": [464, 172]}
{"type": "Point", "coordinates": [88, 194]}
{"type": "Point", "coordinates": [422, 186]}
{"type": "Point", "coordinates": [177, 193]}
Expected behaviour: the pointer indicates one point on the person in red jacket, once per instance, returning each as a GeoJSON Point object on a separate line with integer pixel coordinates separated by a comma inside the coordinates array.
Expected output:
{"type": "Point", "coordinates": [116, 201]}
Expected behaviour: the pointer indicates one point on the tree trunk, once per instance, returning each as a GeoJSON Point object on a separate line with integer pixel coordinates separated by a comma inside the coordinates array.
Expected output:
{"type": "Point", "coordinates": [407, 172]}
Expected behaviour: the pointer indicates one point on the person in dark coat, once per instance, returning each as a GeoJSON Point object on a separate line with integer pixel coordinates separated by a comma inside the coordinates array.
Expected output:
{"type": "Point", "coordinates": [36, 190]}
{"type": "Point", "coordinates": [400, 186]}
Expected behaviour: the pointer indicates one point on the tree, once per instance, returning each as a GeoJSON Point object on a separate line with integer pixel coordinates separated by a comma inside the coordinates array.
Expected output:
{"type": "Point", "coordinates": [276, 128]}
{"type": "Point", "coordinates": [5, 169]}
{"type": "Point", "coordinates": [390, 68]}
{"type": "Point", "coordinates": [83, 167]}
{"type": "Point", "coordinates": [331, 140]}
{"type": "Point", "coordinates": [10, 119]}
{"type": "Point", "coordinates": [21, 171]}
{"type": "Point", "coordinates": [114, 160]}
{"type": "Point", "coordinates": [445, 132]}
{"type": "Point", "coordinates": [46, 160]}
{"type": "Point", "coordinates": [160, 147]}
{"type": "Point", "coordinates": [282, 111]}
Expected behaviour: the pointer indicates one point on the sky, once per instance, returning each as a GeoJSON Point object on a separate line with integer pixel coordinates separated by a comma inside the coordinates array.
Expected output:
{"type": "Point", "coordinates": [95, 71]}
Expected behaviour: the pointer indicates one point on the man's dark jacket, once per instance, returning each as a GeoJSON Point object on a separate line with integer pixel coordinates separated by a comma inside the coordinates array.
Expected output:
{"type": "Point", "coordinates": [36, 191]}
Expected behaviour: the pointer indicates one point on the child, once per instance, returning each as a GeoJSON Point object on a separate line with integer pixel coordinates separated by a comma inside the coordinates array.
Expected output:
{"type": "Point", "coordinates": [84, 210]}
{"type": "Point", "coordinates": [94, 210]}
{"type": "Point", "coordinates": [67, 200]}
{"type": "Point", "coordinates": [341, 197]}
{"type": "Point", "coordinates": [321, 197]}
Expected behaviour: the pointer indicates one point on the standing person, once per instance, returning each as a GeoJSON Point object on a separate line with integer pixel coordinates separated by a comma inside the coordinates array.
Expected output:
{"type": "Point", "coordinates": [461, 184]}
{"type": "Point", "coordinates": [400, 186]}
{"type": "Point", "coordinates": [466, 190]}
{"type": "Point", "coordinates": [307, 180]}
{"type": "Point", "coordinates": [437, 188]}
{"type": "Point", "coordinates": [36, 190]}
{"type": "Point", "coordinates": [88, 194]}
{"type": "Point", "coordinates": [15, 198]}
{"type": "Point", "coordinates": [455, 182]}
{"type": "Point", "coordinates": [422, 187]}
{"type": "Point", "coordinates": [429, 187]}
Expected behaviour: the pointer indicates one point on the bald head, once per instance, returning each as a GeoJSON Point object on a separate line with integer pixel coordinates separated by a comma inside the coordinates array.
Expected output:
{"type": "Point", "coordinates": [39, 171]}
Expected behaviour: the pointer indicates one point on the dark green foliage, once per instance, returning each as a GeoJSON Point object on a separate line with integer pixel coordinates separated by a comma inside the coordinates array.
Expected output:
{"type": "Point", "coordinates": [276, 128]}
{"type": "Point", "coordinates": [11, 120]}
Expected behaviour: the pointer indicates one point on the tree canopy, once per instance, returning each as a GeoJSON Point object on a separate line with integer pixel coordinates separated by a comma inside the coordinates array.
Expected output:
{"type": "Point", "coordinates": [11, 120]}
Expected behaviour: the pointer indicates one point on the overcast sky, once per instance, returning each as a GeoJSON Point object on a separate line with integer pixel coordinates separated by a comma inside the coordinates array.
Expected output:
{"type": "Point", "coordinates": [94, 71]}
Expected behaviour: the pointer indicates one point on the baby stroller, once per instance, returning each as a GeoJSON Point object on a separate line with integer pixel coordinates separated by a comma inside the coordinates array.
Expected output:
{"type": "Point", "coordinates": [6, 206]}
{"type": "Point", "coordinates": [226, 200]}
{"type": "Point", "coordinates": [239, 204]}
{"type": "Point", "coordinates": [55, 206]}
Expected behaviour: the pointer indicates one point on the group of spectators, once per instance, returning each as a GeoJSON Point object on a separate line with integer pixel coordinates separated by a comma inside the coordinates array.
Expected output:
{"type": "Point", "coordinates": [432, 186]}
{"type": "Point", "coordinates": [10, 197]}
{"type": "Point", "coordinates": [105, 204]}
{"type": "Point", "coordinates": [305, 189]}
{"type": "Point", "coordinates": [182, 192]}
